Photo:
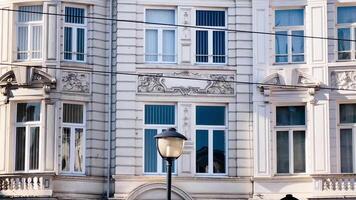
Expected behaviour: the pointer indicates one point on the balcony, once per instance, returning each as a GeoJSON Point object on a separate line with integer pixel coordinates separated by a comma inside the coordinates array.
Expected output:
{"type": "Point", "coordinates": [26, 185]}
{"type": "Point", "coordinates": [335, 184]}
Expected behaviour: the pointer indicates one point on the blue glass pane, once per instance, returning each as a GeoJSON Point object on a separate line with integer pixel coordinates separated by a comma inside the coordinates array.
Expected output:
{"type": "Point", "coordinates": [298, 42]}
{"type": "Point", "coordinates": [80, 44]}
{"type": "Point", "coordinates": [219, 156]}
{"type": "Point", "coordinates": [210, 18]}
{"type": "Point", "coordinates": [159, 114]}
{"type": "Point", "coordinates": [68, 43]}
{"type": "Point", "coordinates": [281, 46]}
{"type": "Point", "coordinates": [160, 16]}
{"type": "Point", "coordinates": [210, 115]}
{"type": "Point", "coordinates": [347, 113]}
{"type": "Point", "coordinates": [344, 33]}
{"type": "Point", "coordinates": [219, 46]}
{"type": "Point", "coordinates": [290, 115]}
{"type": "Point", "coordinates": [202, 46]}
{"type": "Point", "coordinates": [282, 152]}
{"type": "Point", "coordinates": [346, 151]}
{"type": "Point", "coordinates": [346, 14]}
{"type": "Point", "coordinates": [202, 151]}
{"type": "Point", "coordinates": [28, 112]}
{"type": "Point", "coordinates": [150, 150]}
{"type": "Point", "coordinates": [289, 17]}
{"type": "Point", "coordinates": [299, 151]}
{"type": "Point", "coordinates": [74, 15]}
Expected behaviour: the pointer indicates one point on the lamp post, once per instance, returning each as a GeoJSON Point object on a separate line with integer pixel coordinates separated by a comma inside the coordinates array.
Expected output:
{"type": "Point", "coordinates": [170, 145]}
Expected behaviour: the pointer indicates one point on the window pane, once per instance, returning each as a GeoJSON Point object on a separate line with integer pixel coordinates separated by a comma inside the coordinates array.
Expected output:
{"type": "Point", "coordinates": [164, 166]}
{"type": "Point", "coordinates": [347, 113]}
{"type": "Point", "coordinates": [346, 150]}
{"type": "Point", "coordinates": [160, 16]}
{"type": "Point", "coordinates": [22, 43]}
{"type": "Point", "coordinates": [289, 17]}
{"type": "Point", "coordinates": [34, 147]}
{"type": "Point", "coordinates": [150, 150]}
{"type": "Point", "coordinates": [344, 33]}
{"type": "Point", "coordinates": [346, 14]}
{"type": "Point", "coordinates": [66, 149]}
{"type": "Point", "coordinates": [73, 113]}
{"type": "Point", "coordinates": [202, 151]}
{"type": "Point", "coordinates": [68, 43]}
{"type": "Point", "coordinates": [219, 46]}
{"type": "Point", "coordinates": [160, 114]}
{"type": "Point", "coordinates": [219, 151]}
{"type": "Point", "coordinates": [80, 44]}
{"type": "Point", "coordinates": [281, 46]}
{"type": "Point", "coordinates": [210, 115]}
{"type": "Point", "coordinates": [27, 16]}
{"type": "Point", "coordinates": [282, 152]}
{"type": "Point", "coordinates": [28, 112]}
{"type": "Point", "coordinates": [202, 46]}
{"type": "Point", "coordinates": [299, 151]}
{"type": "Point", "coordinates": [74, 15]}
{"type": "Point", "coordinates": [297, 46]}
{"type": "Point", "coordinates": [78, 148]}
{"type": "Point", "coordinates": [36, 42]}
{"type": "Point", "coordinates": [20, 148]}
{"type": "Point", "coordinates": [210, 18]}
{"type": "Point", "coordinates": [151, 45]}
{"type": "Point", "coordinates": [290, 115]}
{"type": "Point", "coordinates": [169, 48]}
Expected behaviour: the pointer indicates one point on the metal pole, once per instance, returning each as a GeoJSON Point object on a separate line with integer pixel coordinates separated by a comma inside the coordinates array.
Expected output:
{"type": "Point", "coordinates": [169, 178]}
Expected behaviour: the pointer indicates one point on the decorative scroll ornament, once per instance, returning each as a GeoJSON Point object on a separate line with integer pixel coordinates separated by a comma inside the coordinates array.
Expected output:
{"type": "Point", "coordinates": [76, 82]}
{"type": "Point", "coordinates": [189, 84]}
{"type": "Point", "coordinates": [343, 79]}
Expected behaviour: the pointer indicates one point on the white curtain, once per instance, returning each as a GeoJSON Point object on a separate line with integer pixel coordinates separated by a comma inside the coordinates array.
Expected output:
{"type": "Point", "coordinates": [169, 46]}
{"type": "Point", "coordinates": [151, 45]}
{"type": "Point", "coordinates": [160, 16]}
{"type": "Point", "coordinates": [78, 162]}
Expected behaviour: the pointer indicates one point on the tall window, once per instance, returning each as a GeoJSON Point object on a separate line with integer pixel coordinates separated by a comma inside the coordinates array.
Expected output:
{"type": "Point", "coordinates": [73, 139]}
{"type": "Point", "coordinates": [289, 49]}
{"type": "Point", "coordinates": [27, 136]}
{"type": "Point", "coordinates": [290, 134]}
{"type": "Point", "coordinates": [210, 44]}
{"type": "Point", "coordinates": [210, 140]}
{"type": "Point", "coordinates": [29, 33]}
{"type": "Point", "coordinates": [157, 119]}
{"type": "Point", "coordinates": [160, 43]}
{"type": "Point", "coordinates": [346, 26]}
{"type": "Point", "coordinates": [347, 138]}
{"type": "Point", "coordinates": [74, 34]}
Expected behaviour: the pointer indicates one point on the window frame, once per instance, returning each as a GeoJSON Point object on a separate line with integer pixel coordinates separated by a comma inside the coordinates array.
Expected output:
{"type": "Point", "coordinates": [211, 30]}
{"type": "Point", "coordinates": [29, 26]}
{"type": "Point", "coordinates": [352, 28]}
{"type": "Point", "coordinates": [210, 129]}
{"type": "Point", "coordinates": [159, 128]}
{"type": "Point", "coordinates": [75, 28]}
{"type": "Point", "coordinates": [160, 30]}
{"type": "Point", "coordinates": [290, 129]}
{"type": "Point", "coordinates": [28, 126]}
{"type": "Point", "coordinates": [72, 127]}
{"type": "Point", "coordinates": [289, 30]}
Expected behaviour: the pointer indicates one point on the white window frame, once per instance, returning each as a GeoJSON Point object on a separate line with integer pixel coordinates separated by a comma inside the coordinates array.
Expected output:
{"type": "Point", "coordinates": [28, 126]}
{"type": "Point", "coordinates": [160, 29]}
{"type": "Point", "coordinates": [210, 130]}
{"type": "Point", "coordinates": [72, 127]}
{"type": "Point", "coordinates": [75, 28]}
{"type": "Point", "coordinates": [290, 129]}
{"type": "Point", "coordinates": [159, 129]}
{"type": "Point", "coordinates": [29, 26]}
{"type": "Point", "coordinates": [289, 30]}
{"type": "Point", "coordinates": [352, 28]}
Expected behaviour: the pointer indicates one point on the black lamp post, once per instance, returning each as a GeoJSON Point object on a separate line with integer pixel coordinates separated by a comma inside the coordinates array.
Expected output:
{"type": "Point", "coordinates": [170, 145]}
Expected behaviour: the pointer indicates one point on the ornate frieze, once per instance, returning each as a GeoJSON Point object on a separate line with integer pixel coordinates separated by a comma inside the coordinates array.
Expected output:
{"type": "Point", "coordinates": [188, 84]}
{"type": "Point", "coordinates": [75, 82]}
{"type": "Point", "coordinates": [343, 79]}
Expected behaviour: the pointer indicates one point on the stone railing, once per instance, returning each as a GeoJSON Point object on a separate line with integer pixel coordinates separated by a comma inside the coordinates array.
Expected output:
{"type": "Point", "coordinates": [26, 185]}
{"type": "Point", "coordinates": [336, 183]}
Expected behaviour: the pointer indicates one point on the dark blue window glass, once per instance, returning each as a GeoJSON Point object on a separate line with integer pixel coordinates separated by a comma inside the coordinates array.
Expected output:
{"type": "Point", "coordinates": [298, 46]}
{"type": "Point", "coordinates": [159, 114]}
{"type": "Point", "coordinates": [290, 115]}
{"type": "Point", "coordinates": [282, 152]}
{"type": "Point", "coordinates": [299, 151]}
{"type": "Point", "coordinates": [80, 44]}
{"type": "Point", "coordinates": [210, 115]}
{"type": "Point", "coordinates": [346, 151]}
{"type": "Point", "coordinates": [347, 113]}
{"type": "Point", "coordinates": [68, 43]}
{"type": "Point", "coordinates": [74, 15]}
{"type": "Point", "coordinates": [289, 17]}
{"type": "Point", "coordinates": [346, 14]}
{"type": "Point", "coordinates": [150, 150]}
{"type": "Point", "coordinates": [219, 157]}
{"type": "Point", "coordinates": [281, 46]}
{"type": "Point", "coordinates": [202, 151]}
{"type": "Point", "coordinates": [344, 46]}
{"type": "Point", "coordinates": [210, 18]}
{"type": "Point", "coordinates": [219, 46]}
{"type": "Point", "coordinates": [202, 46]}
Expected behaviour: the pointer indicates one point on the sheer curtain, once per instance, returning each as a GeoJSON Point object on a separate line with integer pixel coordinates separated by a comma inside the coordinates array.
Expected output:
{"type": "Point", "coordinates": [168, 43]}
{"type": "Point", "coordinates": [346, 14]}
{"type": "Point", "coordinates": [289, 17]}
{"type": "Point", "coordinates": [151, 45]}
{"type": "Point", "coordinates": [78, 154]}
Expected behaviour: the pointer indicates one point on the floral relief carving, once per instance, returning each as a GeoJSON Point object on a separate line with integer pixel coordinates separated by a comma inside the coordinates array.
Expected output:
{"type": "Point", "coordinates": [76, 82]}
{"type": "Point", "coordinates": [343, 79]}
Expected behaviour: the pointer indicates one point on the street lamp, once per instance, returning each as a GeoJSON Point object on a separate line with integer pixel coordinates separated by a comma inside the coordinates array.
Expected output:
{"type": "Point", "coordinates": [170, 145]}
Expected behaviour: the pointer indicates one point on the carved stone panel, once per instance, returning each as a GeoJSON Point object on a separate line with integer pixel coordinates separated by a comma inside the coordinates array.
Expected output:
{"type": "Point", "coordinates": [343, 79]}
{"type": "Point", "coordinates": [75, 82]}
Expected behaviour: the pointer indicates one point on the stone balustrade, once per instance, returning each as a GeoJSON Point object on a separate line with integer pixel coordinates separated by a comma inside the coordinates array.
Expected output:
{"type": "Point", "coordinates": [338, 183]}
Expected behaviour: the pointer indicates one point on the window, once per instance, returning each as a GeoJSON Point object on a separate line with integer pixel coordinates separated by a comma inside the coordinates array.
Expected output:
{"type": "Point", "coordinates": [210, 140]}
{"type": "Point", "coordinates": [289, 49]}
{"type": "Point", "coordinates": [347, 138]}
{"type": "Point", "coordinates": [157, 118]}
{"type": "Point", "coordinates": [74, 34]}
{"type": "Point", "coordinates": [210, 44]}
{"type": "Point", "coordinates": [160, 45]}
{"type": "Point", "coordinates": [29, 33]}
{"type": "Point", "coordinates": [27, 137]}
{"type": "Point", "coordinates": [346, 19]}
{"type": "Point", "coordinates": [290, 139]}
{"type": "Point", "coordinates": [73, 139]}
